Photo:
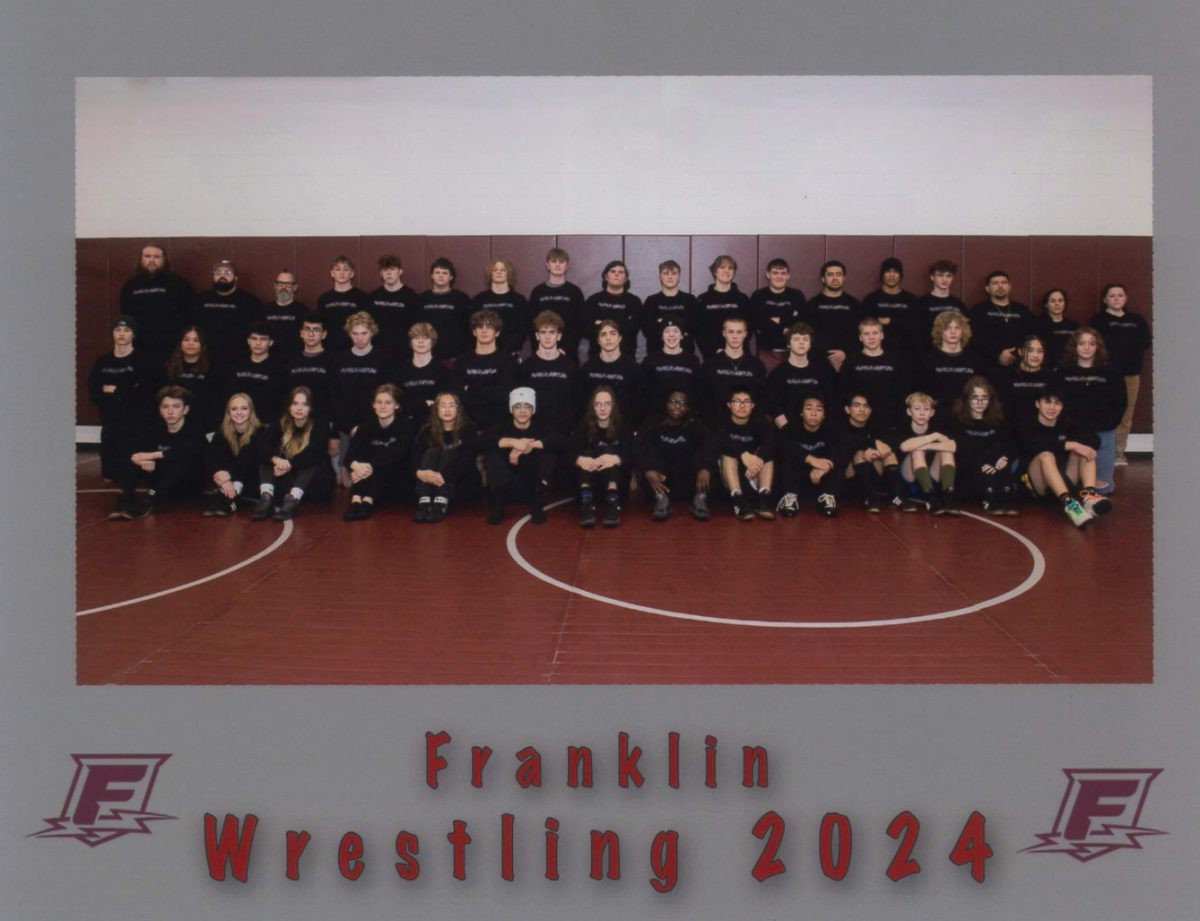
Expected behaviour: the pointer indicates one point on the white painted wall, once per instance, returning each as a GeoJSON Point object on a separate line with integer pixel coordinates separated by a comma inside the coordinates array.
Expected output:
{"type": "Point", "coordinates": [502, 155]}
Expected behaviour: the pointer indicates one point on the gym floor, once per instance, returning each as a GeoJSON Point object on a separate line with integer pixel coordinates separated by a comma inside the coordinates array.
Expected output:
{"type": "Point", "coordinates": [860, 599]}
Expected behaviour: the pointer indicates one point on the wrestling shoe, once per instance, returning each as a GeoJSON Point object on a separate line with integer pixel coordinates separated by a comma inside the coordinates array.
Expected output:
{"type": "Point", "coordinates": [123, 508]}
{"type": "Point", "coordinates": [789, 505]}
{"type": "Point", "coordinates": [612, 511]}
{"type": "Point", "coordinates": [1095, 503]}
{"type": "Point", "coordinates": [262, 508]}
{"type": "Point", "coordinates": [424, 508]}
{"type": "Point", "coordinates": [662, 507]}
{"type": "Point", "coordinates": [904, 504]}
{"type": "Point", "coordinates": [950, 502]}
{"type": "Point", "coordinates": [871, 502]}
{"type": "Point", "coordinates": [742, 509]}
{"type": "Point", "coordinates": [587, 513]}
{"type": "Point", "coordinates": [496, 515]}
{"type": "Point", "coordinates": [764, 507]}
{"type": "Point", "coordinates": [827, 504]}
{"type": "Point", "coordinates": [437, 512]}
{"type": "Point", "coordinates": [700, 509]}
{"type": "Point", "coordinates": [287, 509]}
{"type": "Point", "coordinates": [1079, 515]}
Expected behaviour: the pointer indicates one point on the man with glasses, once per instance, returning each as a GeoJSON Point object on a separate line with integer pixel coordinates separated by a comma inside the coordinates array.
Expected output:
{"type": "Point", "coordinates": [284, 315]}
{"type": "Point", "coordinates": [746, 445]}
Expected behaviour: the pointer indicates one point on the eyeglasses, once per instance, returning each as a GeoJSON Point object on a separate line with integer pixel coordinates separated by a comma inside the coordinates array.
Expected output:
{"type": "Point", "coordinates": [741, 402]}
{"type": "Point", "coordinates": [677, 402]}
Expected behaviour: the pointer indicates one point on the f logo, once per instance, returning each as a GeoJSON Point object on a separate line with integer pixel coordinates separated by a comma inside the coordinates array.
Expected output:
{"type": "Point", "coordinates": [107, 799]}
{"type": "Point", "coordinates": [1099, 813]}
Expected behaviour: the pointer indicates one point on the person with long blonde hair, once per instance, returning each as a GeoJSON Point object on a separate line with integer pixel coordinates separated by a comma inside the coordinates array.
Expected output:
{"type": "Point", "coordinates": [231, 459]}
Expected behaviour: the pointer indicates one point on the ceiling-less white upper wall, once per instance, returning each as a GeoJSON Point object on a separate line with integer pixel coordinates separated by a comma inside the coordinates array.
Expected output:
{"type": "Point", "coordinates": [496, 155]}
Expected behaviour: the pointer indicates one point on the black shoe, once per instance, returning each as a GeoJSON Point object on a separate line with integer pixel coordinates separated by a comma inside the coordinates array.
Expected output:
{"type": "Point", "coordinates": [496, 515]}
{"type": "Point", "coordinates": [950, 502]}
{"type": "Point", "coordinates": [438, 511]}
{"type": "Point", "coordinates": [224, 508]}
{"type": "Point", "coordinates": [212, 502]}
{"type": "Point", "coordinates": [662, 507]}
{"type": "Point", "coordinates": [287, 508]}
{"type": "Point", "coordinates": [141, 507]}
{"type": "Point", "coordinates": [827, 505]}
{"type": "Point", "coordinates": [764, 506]}
{"type": "Point", "coordinates": [612, 511]}
{"type": "Point", "coordinates": [357, 511]}
{"type": "Point", "coordinates": [933, 505]}
{"type": "Point", "coordinates": [871, 503]}
{"type": "Point", "coordinates": [587, 513]}
{"type": "Point", "coordinates": [904, 504]}
{"type": "Point", "coordinates": [421, 516]}
{"type": "Point", "coordinates": [700, 509]}
{"type": "Point", "coordinates": [123, 508]}
{"type": "Point", "coordinates": [537, 511]}
{"type": "Point", "coordinates": [742, 510]}
{"type": "Point", "coordinates": [262, 508]}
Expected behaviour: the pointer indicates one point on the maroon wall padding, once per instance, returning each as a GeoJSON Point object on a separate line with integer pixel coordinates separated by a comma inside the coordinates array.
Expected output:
{"type": "Point", "coordinates": [804, 254]}
{"type": "Point", "coordinates": [744, 250]}
{"type": "Point", "coordinates": [861, 255]}
{"type": "Point", "coordinates": [984, 255]}
{"type": "Point", "coordinates": [643, 254]}
{"type": "Point", "coordinates": [259, 259]}
{"type": "Point", "coordinates": [589, 255]}
{"type": "Point", "coordinates": [528, 257]}
{"type": "Point", "coordinates": [918, 252]}
{"type": "Point", "coordinates": [1080, 265]}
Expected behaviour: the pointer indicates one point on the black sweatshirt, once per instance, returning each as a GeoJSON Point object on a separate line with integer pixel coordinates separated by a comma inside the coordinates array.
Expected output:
{"type": "Point", "coordinates": [385, 449]}
{"type": "Point", "coordinates": [682, 308]}
{"type": "Point", "coordinates": [420, 386]}
{"type": "Point", "coordinates": [787, 387]}
{"type": "Point", "coordinates": [1094, 397]}
{"type": "Point", "coordinates": [995, 328]}
{"type": "Point", "coordinates": [835, 321]}
{"type": "Point", "coordinates": [624, 309]}
{"type": "Point", "coordinates": [513, 310]}
{"type": "Point", "coordinates": [665, 444]}
{"type": "Point", "coordinates": [133, 398]}
{"type": "Point", "coordinates": [566, 300]}
{"type": "Point", "coordinates": [224, 319]}
{"type": "Point", "coordinates": [623, 376]}
{"type": "Point", "coordinates": [394, 312]}
{"type": "Point", "coordinates": [663, 373]}
{"type": "Point", "coordinates": [448, 313]}
{"type": "Point", "coordinates": [771, 313]}
{"type": "Point", "coordinates": [161, 304]}
{"type": "Point", "coordinates": [555, 381]}
{"type": "Point", "coordinates": [354, 380]}
{"type": "Point", "coordinates": [1126, 338]}
{"type": "Point", "coordinates": [485, 382]}
{"type": "Point", "coordinates": [335, 308]}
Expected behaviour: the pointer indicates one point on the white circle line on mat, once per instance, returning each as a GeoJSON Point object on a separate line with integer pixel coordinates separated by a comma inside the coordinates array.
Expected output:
{"type": "Point", "coordinates": [1036, 572]}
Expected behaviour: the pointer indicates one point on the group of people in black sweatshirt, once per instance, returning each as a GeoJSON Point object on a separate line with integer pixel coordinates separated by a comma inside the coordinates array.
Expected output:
{"type": "Point", "coordinates": [769, 400]}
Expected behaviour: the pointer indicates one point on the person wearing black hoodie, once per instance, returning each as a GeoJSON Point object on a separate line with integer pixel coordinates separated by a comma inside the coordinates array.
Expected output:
{"type": "Point", "coordinates": [721, 301]}
{"type": "Point", "coordinates": [158, 300]}
{"type": "Point", "coordinates": [119, 385]}
{"type": "Point", "coordinates": [167, 460]}
{"type": "Point", "coordinates": [377, 455]}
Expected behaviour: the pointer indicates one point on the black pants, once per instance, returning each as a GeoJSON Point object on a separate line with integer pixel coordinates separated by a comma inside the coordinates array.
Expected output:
{"type": "Point", "coordinates": [518, 481]}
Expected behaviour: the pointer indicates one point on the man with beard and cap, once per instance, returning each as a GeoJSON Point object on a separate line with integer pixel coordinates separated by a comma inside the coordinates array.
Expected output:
{"type": "Point", "coordinates": [158, 300]}
{"type": "Point", "coordinates": [224, 313]}
{"type": "Point", "coordinates": [284, 315]}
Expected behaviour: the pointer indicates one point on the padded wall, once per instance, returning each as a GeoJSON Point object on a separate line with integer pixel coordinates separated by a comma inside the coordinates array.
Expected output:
{"type": "Point", "coordinates": [1081, 265]}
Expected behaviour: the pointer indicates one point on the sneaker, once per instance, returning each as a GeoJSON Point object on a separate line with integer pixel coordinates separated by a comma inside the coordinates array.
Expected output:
{"type": "Point", "coordinates": [700, 509]}
{"type": "Point", "coordinates": [421, 515]}
{"type": "Point", "coordinates": [1077, 513]}
{"type": "Point", "coordinates": [354, 512]}
{"type": "Point", "coordinates": [212, 501]}
{"type": "Point", "coordinates": [950, 503]}
{"type": "Point", "coordinates": [223, 508]}
{"type": "Point", "coordinates": [933, 504]}
{"type": "Point", "coordinates": [871, 503]}
{"type": "Point", "coordinates": [993, 507]}
{"type": "Point", "coordinates": [827, 504]}
{"type": "Point", "coordinates": [365, 510]}
{"type": "Point", "coordinates": [904, 504]}
{"type": "Point", "coordinates": [1095, 503]}
{"type": "Point", "coordinates": [262, 508]}
{"type": "Point", "coordinates": [763, 506]}
{"type": "Point", "coordinates": [141, 507]}
{"type": "Point", "coordinates": [612, 511]}
{"type": "Point", "coordinates": [1121, 461]}
{"type": "Point", "coordinates": [438, 510]}
{"type": "Point", "coordinates": [587, 513]}
{"type": "Point", "coordinates": [122, 509]}
{"type": "Point", "coordinates": [789, 505]}
{"type": "Point", "coordinates": [496, 515]}
{"type": "Point", "coordinates": [286, 509]}
{"type": "Point", "coordinates": [742, 510]}
{"type": "Point", "coordinates": [662, 507]}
